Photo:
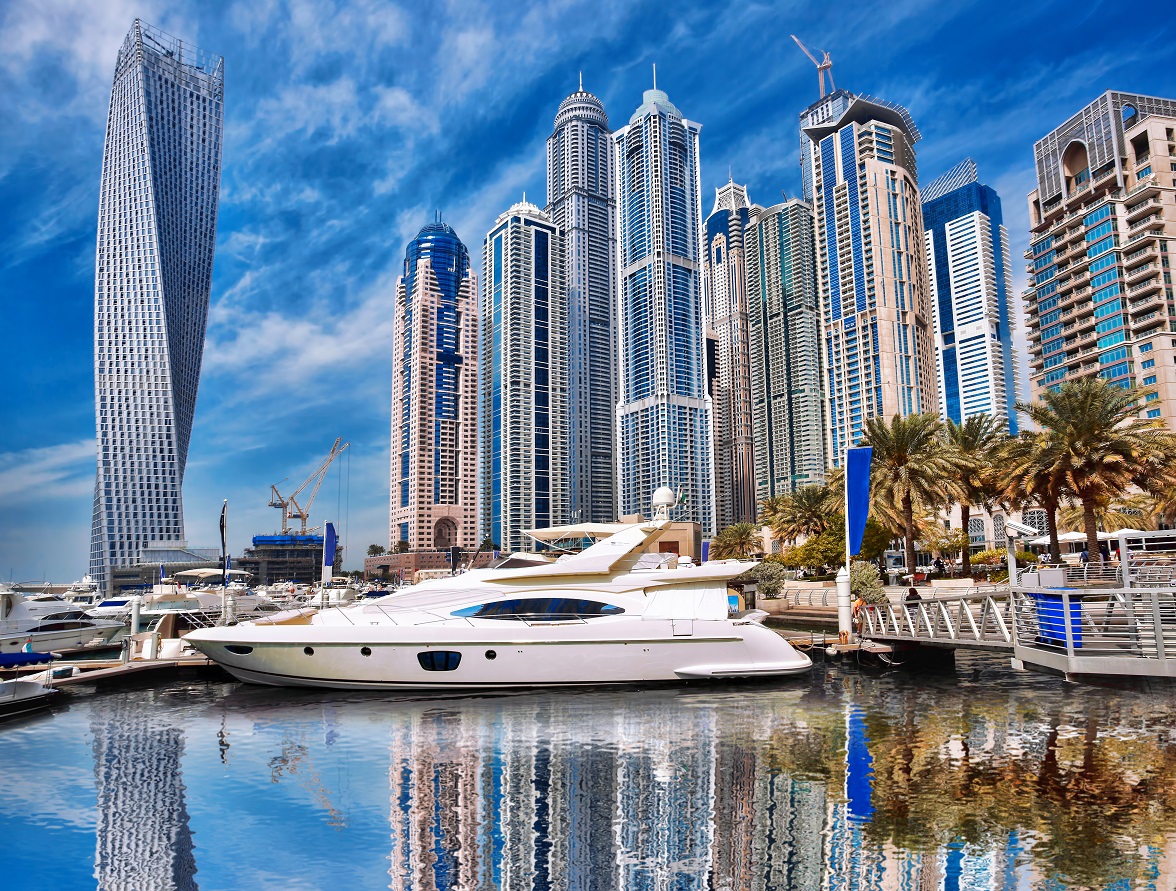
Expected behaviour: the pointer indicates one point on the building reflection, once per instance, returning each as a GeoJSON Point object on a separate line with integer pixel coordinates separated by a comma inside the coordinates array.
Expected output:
{"type": "Point", "coordinates": [683, 792]}
{"type": "Point", "coordinates": [142, 835]}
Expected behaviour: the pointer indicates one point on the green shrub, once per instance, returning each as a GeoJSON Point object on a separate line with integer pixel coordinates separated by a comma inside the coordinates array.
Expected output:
{"type": "Point", "coordinates": [996, 557]}
{"type": "Point", "coordinates": [864, 580]}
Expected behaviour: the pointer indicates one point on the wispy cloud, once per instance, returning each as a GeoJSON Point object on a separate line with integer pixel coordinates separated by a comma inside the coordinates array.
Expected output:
{"type": "Point", "coordinates": [47, 473]}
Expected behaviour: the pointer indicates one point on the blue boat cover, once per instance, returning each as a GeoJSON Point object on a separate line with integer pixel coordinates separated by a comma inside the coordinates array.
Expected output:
{"type": "Point", "coordinates": [15, 660]}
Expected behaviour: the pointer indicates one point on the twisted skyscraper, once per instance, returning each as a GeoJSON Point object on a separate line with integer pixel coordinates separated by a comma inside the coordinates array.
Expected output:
{"type": "Point", "coordinates": [157, 210]}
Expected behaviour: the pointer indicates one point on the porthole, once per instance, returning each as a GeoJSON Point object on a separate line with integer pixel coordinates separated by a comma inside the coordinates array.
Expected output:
{"type": "Point", "coordinates": [239, 649]}
{"type": "Point", "coordinates": [308, 650]}
{"type": "Point", "coordinates": [365, 651]}
{"type": "Point", "coordinates": [490, 654]}
{"type": "Point", "coordinates": [439, 660]}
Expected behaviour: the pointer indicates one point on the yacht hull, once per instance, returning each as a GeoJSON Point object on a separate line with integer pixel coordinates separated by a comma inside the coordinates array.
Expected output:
{"type": "Point", "coordinates": [493, 658]}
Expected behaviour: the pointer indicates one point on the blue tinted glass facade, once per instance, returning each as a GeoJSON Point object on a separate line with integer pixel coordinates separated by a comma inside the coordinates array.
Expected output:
{"type": "Point", "coordinates": [663, 417]}
{"type": "Point", "coordinates": [937, 214]}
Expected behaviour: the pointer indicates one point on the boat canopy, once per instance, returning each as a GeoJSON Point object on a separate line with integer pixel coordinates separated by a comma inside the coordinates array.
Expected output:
{"type": "Point", "coordinates": [577, 530]}
{"type": "Point", "coordinates": [207, 573]}
{"type": "Point", "coordinates": [16, 660]}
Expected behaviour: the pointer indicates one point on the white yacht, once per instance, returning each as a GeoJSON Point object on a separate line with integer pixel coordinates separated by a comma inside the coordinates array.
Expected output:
{"type": "Point", "coordinates": [594, 618]}
{"type": "Point", "coordinates": [48, 623]}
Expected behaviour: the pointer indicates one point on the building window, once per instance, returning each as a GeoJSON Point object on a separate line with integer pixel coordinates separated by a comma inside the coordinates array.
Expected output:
{"type": "Point", "coordinates": [976, 532]}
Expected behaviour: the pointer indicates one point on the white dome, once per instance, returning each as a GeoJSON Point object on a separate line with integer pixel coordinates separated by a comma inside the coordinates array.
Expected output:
{"type": "Point", "coordinates": [664, 497]}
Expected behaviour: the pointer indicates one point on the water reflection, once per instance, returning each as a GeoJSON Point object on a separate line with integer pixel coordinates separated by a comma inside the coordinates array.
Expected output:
{"type": "Point", "coordinates": [142, 833]}
{"type": "Point", "coordinates": [975, 779]}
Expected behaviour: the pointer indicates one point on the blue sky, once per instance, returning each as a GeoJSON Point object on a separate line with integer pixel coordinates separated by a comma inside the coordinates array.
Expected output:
{"type": "Point", "coordinates": [347, 124]}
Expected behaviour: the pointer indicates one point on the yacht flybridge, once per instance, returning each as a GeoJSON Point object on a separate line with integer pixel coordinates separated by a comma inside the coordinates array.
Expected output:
{"type": "Point", "coordinates": [598, 617]}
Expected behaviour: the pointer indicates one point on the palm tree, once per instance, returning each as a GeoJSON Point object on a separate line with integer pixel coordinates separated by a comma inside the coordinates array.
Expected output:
{"type": "Point", "coordinates": [910, 469]}
{"type": "Point", "coordinates": [738, 540]}
{"type": "Point", "coordinates": [806, 512]}
{"type": "Point", "coordinates": [973, 443]}
{"type": "Point", "coordinates": [770, 511]}
{"type": "Point", "coordinates": [1097, 442]}
{"type": "Point", "coordinates": [1129, 511]}
{"type": "Point", "coordinates": [1027, 474]}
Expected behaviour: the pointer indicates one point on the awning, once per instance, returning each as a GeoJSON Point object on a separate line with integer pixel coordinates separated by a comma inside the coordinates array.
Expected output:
{"type": "Point", "coordinates": [207, 573]}
{"type": "Point", "coordinates": [15, 660]}
{"type": "Point", "coordinates": [577, 530]}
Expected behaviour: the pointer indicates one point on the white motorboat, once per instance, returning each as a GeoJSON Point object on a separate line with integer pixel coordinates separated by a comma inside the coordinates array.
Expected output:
{"type": "Point", "coordinates": [48, 623]}
{"type": "Point", "coordinates": [21, 696]}
{"type": "Point", "coordinates": [594, 618]}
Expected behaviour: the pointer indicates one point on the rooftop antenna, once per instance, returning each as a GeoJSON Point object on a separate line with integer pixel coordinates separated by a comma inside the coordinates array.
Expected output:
{"type": "Point", "coordinates": [581, 81]}
{"type": "Point", "coordinates": [826, 64]}
{"type": "Point", "coordinates": [655, 75]}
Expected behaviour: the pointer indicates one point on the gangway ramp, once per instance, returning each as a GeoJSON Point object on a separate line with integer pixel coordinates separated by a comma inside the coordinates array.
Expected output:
{"type": "Point", "coordinates": [979, 619]}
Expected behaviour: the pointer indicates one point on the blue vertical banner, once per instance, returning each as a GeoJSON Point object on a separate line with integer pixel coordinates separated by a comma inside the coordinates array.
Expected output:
{"type": "Point", "coordinates": [857, 495]}
{"type": "Point", "coordinates": [329, 546]}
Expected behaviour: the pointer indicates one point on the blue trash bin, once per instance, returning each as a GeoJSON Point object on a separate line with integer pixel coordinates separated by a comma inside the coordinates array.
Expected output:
{"type": "Point", "coordinates": [1051, 625]}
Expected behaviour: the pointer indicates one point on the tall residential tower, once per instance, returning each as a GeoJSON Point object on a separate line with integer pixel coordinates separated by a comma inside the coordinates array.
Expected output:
{"type": "Point", "coordinates": [968, 262]}
{"type": "Point", "coordinates": [157, 207]}
{"type": "Point", "coordinates": [784, 329]}
{"type": "Point", "coordinates": [664, 411]}
{"type": "Point", "coordinates": [1103, 230]}
{"type": "Point", "coordinates": [725, 297]}
{"type": "Point", "coordinates": [859, 172]}
{"type": "Point", "coordinates": [582, 202]}
{"type": "Point", "coordinates": [434, 395]}
{"type": "Point", "coordinates": [524, 412]}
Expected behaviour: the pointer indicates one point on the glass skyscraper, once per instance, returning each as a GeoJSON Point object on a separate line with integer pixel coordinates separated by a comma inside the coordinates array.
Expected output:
{"type": "Point", "coordinates": [664, 410]}
{"type": "Point", "coordinates": [785, 346]}
{"type": "Point", "coordinates": [859, 173]}
{"type": "Point", "coordinates": [157, 208]}
{"type": "Point", "coordinates": [582, 203]}
{"type": "Point", "coordinates": [434, 395]}
{"type": "Point", "coordinates": [968, 263]}
{"type": "Point", "coordinates": [725, 299]}
{"type": "Point", "coordinates": [524, 411]}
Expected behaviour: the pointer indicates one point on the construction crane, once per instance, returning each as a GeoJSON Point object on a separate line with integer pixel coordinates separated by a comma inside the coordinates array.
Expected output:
{"type": "Point", "coordinates": [289, 506]}
{"type": "Point", "coordinates": [826, 64]}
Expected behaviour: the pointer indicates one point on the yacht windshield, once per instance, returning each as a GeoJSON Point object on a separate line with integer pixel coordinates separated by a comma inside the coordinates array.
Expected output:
{"type": "Point", "coordinates": [540, 609]}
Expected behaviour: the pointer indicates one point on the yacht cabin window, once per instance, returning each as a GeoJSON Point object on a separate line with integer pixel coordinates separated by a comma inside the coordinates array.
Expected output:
{"type": "Point", "coordinates": [540, 609]}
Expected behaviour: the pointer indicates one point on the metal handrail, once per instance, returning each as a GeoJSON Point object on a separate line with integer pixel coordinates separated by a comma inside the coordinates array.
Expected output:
{"type": "Point", "coordinates": [982, 619]}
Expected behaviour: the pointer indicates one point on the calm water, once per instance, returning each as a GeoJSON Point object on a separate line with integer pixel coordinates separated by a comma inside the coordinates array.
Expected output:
{"type": "Point", "coordinates": [968, 778]}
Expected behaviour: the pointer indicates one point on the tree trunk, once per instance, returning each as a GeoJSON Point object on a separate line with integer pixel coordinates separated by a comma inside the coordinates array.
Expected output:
{"type": "Point", "coordinates": [908, 530]}
{"type": "Point", "coordinates": [1051, 524]}
{"type": "Point", "coordinates": [966, 554]}
{"type": "Point", "coordinates": [1090, 526]}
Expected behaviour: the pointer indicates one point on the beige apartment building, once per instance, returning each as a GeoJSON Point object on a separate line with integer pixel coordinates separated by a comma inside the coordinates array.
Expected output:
{"type": "Point", "coordinates": [1103, 229]}
{"type": "Point", "coordinates": [434, 396]}
{"type": "Point", "coordinates": [859, 172]}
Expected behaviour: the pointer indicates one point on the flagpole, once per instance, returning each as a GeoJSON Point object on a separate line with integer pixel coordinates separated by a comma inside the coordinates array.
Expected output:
{"type": "Point", "coordinates": [844, 607]}
{"type": "Point", "coordinates": [224, 619]}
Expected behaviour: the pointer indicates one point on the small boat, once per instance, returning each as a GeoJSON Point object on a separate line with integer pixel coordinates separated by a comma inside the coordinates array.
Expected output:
{"type": "Point", "coordinates": [612, 614]}
{"type": "Point", "coordinates": [20, 697]}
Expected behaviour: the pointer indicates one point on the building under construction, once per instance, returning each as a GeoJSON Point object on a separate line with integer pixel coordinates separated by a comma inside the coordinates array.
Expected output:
{"type": "Point", "coordinates": [286, 558]}
{"type": "Point", "coordinates": [292, 555]}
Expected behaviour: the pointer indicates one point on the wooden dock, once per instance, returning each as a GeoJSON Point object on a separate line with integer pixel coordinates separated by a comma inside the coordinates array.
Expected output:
{"type": "Point", "coordinates": [111, 672]}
